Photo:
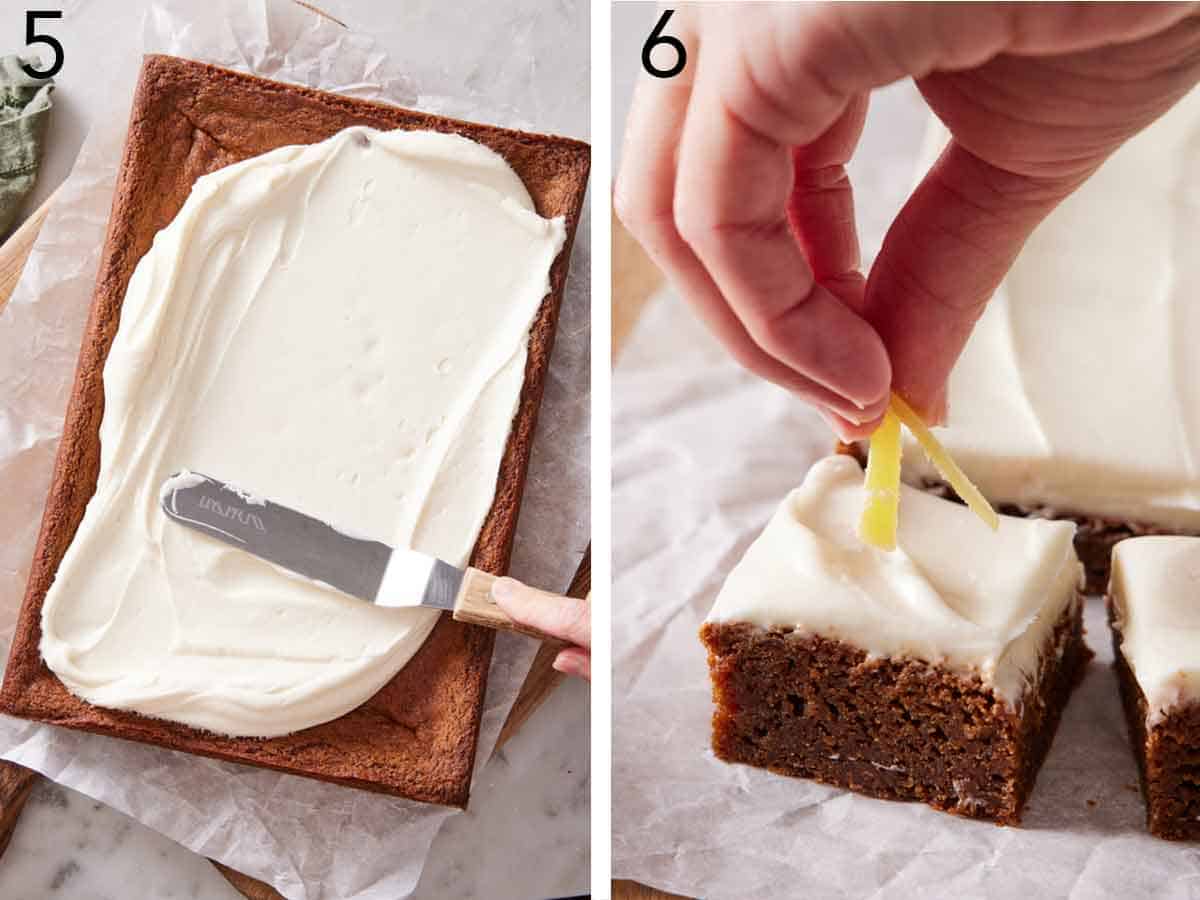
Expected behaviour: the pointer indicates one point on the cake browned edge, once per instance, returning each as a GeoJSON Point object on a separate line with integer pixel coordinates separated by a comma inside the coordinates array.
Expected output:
{"type": "Point", "coordinates": [416, 738]}
{"type": "Point", "coordinates": [1095, 536]}
{"type": "Point", "coordinates": [1167, 754]}
{"type": "Point", "coordinates": [891, 728]}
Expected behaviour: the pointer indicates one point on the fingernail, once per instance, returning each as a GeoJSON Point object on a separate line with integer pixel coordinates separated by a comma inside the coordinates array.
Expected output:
{"type": "Point", "coordinates": [566, 664]}
{"type": "Point", "coordinates": [850, 417]}
{"type": "Point", "coordinates": [834, 422]}
{"type": "Point", "coordinates": [505, 589]}
{"type": "Point", "coordinates": [872, 412]}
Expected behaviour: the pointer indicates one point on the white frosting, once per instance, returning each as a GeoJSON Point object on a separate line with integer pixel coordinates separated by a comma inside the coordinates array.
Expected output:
{"type": "Point", "coordinates": [342, 327]}
{"type": "Point", "coordinates": [1078, 389]}
{"type": "Point", "coordinates": [1155, 589]}
{"type": "Point", "coordinates": [953, 593]}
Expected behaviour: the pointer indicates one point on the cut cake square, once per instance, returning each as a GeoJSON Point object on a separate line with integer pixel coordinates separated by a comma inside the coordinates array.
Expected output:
{"type": "Point", "coordinates": [1154, 611]}
{"type": "Point", "coordinates": [937, 672]}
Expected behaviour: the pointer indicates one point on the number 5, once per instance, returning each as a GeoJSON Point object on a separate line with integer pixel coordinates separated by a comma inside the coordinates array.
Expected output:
{"type": "Point", "coordinates": [32, 37]}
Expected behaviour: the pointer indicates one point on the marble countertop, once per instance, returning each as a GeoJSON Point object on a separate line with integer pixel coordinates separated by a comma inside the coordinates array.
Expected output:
{"type": "Point", "coordinates": [67, 845]}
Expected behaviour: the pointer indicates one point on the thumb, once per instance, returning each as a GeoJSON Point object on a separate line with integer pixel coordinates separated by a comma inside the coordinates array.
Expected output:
{"type": "Point", "coordinates": [943, 257]}
{"type": "Point", "coordinates": [564, 617]}
{"type": "Point", "coordinates": [574, 661]}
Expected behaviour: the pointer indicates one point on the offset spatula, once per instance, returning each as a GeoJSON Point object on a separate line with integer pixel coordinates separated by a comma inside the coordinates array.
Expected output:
{"type": "Point", "coordinates": [366, 569]}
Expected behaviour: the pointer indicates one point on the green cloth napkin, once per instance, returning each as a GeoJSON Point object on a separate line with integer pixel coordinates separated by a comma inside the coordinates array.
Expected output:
{"type": "Point", "coordinates": [24, 112]}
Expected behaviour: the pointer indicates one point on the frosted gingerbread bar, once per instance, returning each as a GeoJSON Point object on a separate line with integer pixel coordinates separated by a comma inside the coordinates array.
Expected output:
{"type": "Point", "coordinates": [935, 672]}
{"type": "Point", "coordinates": [1154, 610]}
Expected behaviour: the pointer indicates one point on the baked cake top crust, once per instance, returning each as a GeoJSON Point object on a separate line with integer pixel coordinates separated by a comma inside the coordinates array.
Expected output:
{"type": "Point", "coordinates": [1052, 404]}
{"type": "Point", "coordinates": [953, 592]}
{"type": "Point", "coordinates": [1155, 590]}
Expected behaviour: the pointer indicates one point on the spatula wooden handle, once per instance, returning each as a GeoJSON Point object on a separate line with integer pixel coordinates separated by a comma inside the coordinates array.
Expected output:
{"type": "Point", "coordinates": [475, 606]}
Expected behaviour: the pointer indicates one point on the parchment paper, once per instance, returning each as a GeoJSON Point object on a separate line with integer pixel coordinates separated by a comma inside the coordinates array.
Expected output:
{"type": "Point", "coordinates": [310, 840]}
{"type": "Point", "coordinates": [703, 453]}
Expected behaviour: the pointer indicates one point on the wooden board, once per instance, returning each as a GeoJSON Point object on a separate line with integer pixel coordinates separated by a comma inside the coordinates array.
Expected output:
{"type": "Point", "coordinates": [15, 250]}
{"type": "Point", "coordinates": [631, 890]}
{"type": "Point", "coordinates": [15, 784]}
{"type": "Point", "coordinates": [250, 888]}
{"type": "Point", "coordinates": [635, 279]}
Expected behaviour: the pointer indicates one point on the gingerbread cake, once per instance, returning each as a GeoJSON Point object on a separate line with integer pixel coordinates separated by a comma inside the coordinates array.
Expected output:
{"type": "Point", "coordinates": [936, 672]}
{"type": "Point", "coordinates": [1042, 416]}
{"type": "Point", "coordinates": [1154, 611]}
{"type": "Point", "coordinates": [415, 736]}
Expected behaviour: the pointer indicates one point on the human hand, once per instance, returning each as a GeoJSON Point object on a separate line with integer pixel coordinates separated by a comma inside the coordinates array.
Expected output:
{"type": "Point", "coordinates": [567, 618]}
{"type": "Point", "coordinates": [733, 172]}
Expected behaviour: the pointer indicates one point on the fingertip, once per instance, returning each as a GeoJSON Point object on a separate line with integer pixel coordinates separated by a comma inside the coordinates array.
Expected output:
{"type": "Point", "coordinates": [858, 363]}
{"type": "Point", "coordinates": [573, 662]}
{"type": "Point", "coordinates": [871, 414]}
{"type": "Point", "coordinates": [931, 407]}
{"type": "Point", "coordinates": [938, 408]}
{"type": "Point", "coordinates": [872, 389]}
{"type": "Point", "coordinates": [856, 418]}
{"type": "Point", "coordinates": [829, 343]}
{"type": "Point", "coordinates": [850, 432]}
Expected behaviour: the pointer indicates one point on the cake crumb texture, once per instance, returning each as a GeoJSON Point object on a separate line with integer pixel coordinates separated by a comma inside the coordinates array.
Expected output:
{"type": "Point", "coordinates": [891, 728]}
{"type": "Point", "coordinates": [1167, 753]}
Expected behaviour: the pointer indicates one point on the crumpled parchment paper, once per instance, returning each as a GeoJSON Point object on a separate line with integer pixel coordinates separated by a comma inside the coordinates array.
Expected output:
{"type": "Point", "coordinates": [703, 453]}
{"type": "Point", "coordinates": [309, 839]}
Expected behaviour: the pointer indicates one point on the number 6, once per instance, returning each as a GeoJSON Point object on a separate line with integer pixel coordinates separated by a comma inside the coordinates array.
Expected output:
{"type": "Point", "coordinates": [656, 38]}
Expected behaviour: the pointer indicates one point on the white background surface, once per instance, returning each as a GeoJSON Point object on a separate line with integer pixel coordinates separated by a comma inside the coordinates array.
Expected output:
{"type": "Point", "coordinates": [68, 846]}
